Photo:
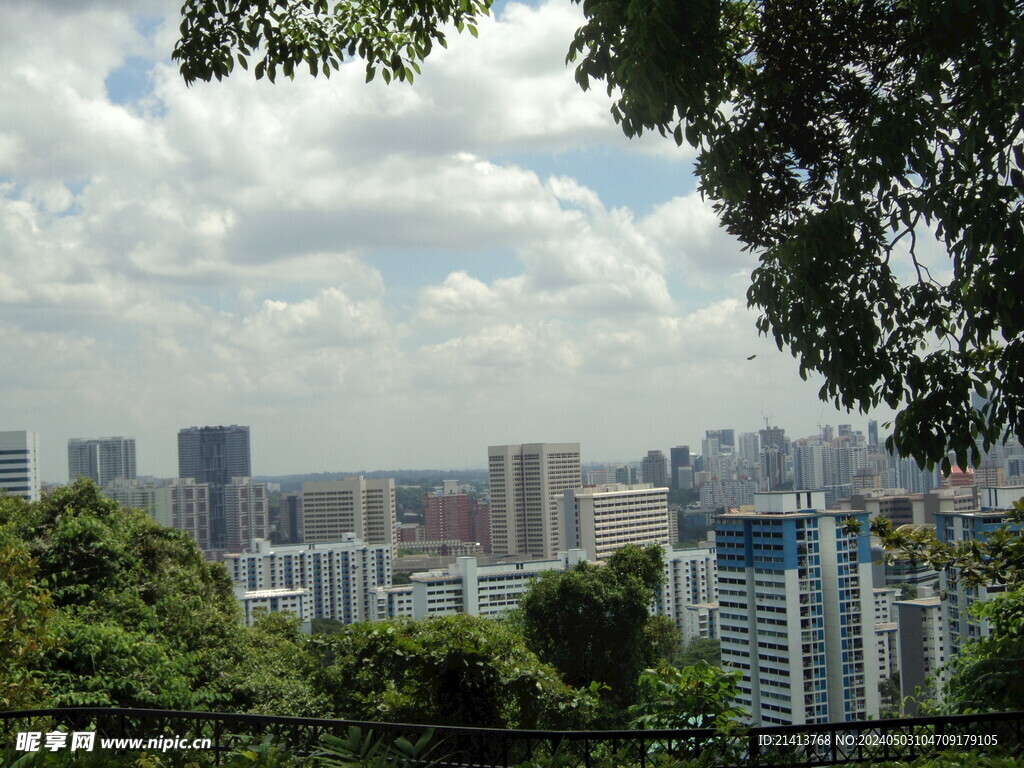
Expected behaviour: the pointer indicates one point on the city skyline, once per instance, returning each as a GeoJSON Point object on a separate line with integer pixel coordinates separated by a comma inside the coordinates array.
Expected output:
{"type": "Point", "coordinates": [481, 258]}
{"type": "Point", "coordinates": [481, 464]}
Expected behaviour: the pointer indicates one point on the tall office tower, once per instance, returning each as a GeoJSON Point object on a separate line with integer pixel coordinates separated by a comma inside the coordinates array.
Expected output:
{"type": "Point", "coordinates": [796, 613]}
{"type": "Point", "coordinates": [654, 468]}
{"type": "Point", "coordinates": [102, 459]}
{"type": "Point", "coordinates": [19, 464]}
{"type": "Point", "coordinates": [773, 467]}
{"type": "Point", "coordinates": [526, 482]}
{"type": "Point", "coordinates": [624, 473]}
{"type": "Point", "coordinates": [679, 457]}
{"type": "Point", "coordinates": [750, 448]}
{"type": "Point", "coordinates": [809, 464]}
{"type": "Point", "coordinates": [973, 525]}
{"type": "Point", "coordinates": [773, 437]}
{"type": "Point", "coordinates": [446, 513]}
{"type": "Point", "coordinates": [873, 432]}
{"type": "Point", "coordinates": [602, 519]}
{"type": "Point", "coordinates": [214, 455]}
{"type": "Point", "coordinates": [341, 577]}
{"type": "Point", "coordinates": [365, 508]}
{"type": "Point", "coordinates": [246, 512]}
{"type": "Point", "coordinates": [725, 437]}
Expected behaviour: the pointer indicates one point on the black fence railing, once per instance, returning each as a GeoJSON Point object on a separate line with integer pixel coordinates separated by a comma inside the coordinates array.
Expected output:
{"type": "Point", "coordinates": [801, 746]}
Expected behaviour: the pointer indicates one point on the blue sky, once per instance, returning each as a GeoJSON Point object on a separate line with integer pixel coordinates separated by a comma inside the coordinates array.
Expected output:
{"type": "Point", "coordinates": [368, 276]}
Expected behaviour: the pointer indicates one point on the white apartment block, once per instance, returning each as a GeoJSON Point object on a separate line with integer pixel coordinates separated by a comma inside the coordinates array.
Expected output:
{"type": "Point", "coordinates": [355, 505]}
{"type": "Point", "coordinates": [689, 592]}
{"type": "Point", "coordinates": [526, 482]}
{"type": "Point", "coordinates": [19, 464]}
{"type": "Point", "coordinates": [796, 614]}
{"type": "Point", "coordinates": [180, 503]}
{"type": "Point", "coordinates": [971, 525]}
{"type": "Point", "coordinates": [467, 587]}
{"type": "Point", "coordinates": [341, 576]}
{"type": "Point", "coordinates": [604, 518]}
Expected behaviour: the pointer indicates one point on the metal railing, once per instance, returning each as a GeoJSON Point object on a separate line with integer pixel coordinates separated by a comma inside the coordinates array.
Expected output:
{"type": "Point", "coordinates": [800, 746]}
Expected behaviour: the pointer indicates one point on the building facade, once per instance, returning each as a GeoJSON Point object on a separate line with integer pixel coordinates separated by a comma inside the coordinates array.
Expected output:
{"type": "Point", "coordinates": [341, 576]}
{"type": "Point", "coordinates": [654, 468]}
{"type": "Point", "coordinates": [526, 482]}
{"type": "Point", "coordinates": [796, 612]}
{"type": "Point", "coordinates": [102, 459]}
{"type": "Point", "coordinates": [604, 518]}
{"type": "Point", "coordinates": [215, 455]}
{"type": "Point", "coordinates": [19, 464]}
{"type": "Point", "coordinates": [364, 508]}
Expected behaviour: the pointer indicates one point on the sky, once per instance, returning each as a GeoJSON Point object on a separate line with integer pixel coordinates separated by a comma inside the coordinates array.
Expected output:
{"type": "Point", "coordinates": [369, 276]}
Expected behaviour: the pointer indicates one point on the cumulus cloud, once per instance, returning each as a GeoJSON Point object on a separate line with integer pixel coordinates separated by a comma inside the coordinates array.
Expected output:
{"type": "Point", "coordinates": [180, 256]}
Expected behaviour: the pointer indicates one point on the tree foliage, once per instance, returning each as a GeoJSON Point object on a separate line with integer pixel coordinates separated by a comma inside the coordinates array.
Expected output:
{"type": "Point", "coordinates": [592, 622]}
{"type": "Point", "coordinates": [699, 696]}
{"type": "Point", "coordinates": [393, 36]}
{"type": "Point", "coordinates": [986, 672]}
{"type": "Point", "coordinates": [835, 137]}
{"type": "Point", "coordinates": [139, 618]}
{"type": "Point", "coordinates": [452, 670]}
{"type": "Point", "coordinates": [25, 623]}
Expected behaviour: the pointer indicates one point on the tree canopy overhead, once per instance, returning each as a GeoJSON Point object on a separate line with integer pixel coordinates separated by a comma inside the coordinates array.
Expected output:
{"type": "Point", "coordinates": [838, 139]}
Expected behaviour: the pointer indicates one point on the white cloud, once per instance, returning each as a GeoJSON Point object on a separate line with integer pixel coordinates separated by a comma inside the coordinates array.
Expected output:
{"type": "Point", "coordinates": [201, 255]}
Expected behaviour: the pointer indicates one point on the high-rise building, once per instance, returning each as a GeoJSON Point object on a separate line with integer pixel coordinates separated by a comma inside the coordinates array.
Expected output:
{"type": "Point", "coordinates": [215, 455]}
{"type": "Point", "coordinates": [873, 432]}
{"type": "Point", "coordinates": [602, 519]}
{"type": "Point", "coordinates": [796, 614]}
{"type": "Point", "coordinates": [365, 508]}
{"type": "Point", "coordinates": [654, 468]}
{"type": "Point", "coordinates": [750, 448]}
{"type": "Point", "coordinates": [341, 576]}
{"type": "Point", "coordinates": [19, 464]}
{"type": "Point", "coordinates": [726, 437]}
{"type": "Point", "coordinates": [679, 457]}
{"type": "Point", "coordinates": [287, 526]}
{"type": "Point", "coordinates": [246, 512]}
{"type": "Point", "coordinates": [102, 459]}
{"type": "Point", "coordinates": [185, 504]}
{"type": "Point", "coordinates": [689, 592]}
{"type": "Point", "coordinates": [959, 622]}
{"type": "Point", "coordinates": [526, 482]}
{"type": "Point", "coordinates": [773, 437]}
{"type": "Point", "coordinates": [446, 513]}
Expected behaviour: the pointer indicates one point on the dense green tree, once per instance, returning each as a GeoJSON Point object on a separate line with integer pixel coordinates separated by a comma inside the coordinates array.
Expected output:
{"type": "Point", "coordinates": [25, 622]}
{"type": "Point", "coordinates": [452, 670]}
{"type": "Point", "coordinates": [591, 621]}
{"type": "Point", "coordinates": [699, 696]}
{"type": "Point", "coordinates": [274, 672]}
{"type": "Point", "coordinates": [139, 617]}
{"type": "Point", "coordinates": [835, 137]}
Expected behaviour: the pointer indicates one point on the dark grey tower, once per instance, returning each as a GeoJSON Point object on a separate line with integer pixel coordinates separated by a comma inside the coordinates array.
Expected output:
{"type": "Point", "coordinates": [679, 457]}
{"type": "Point", "coordinates": [214, 455]}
